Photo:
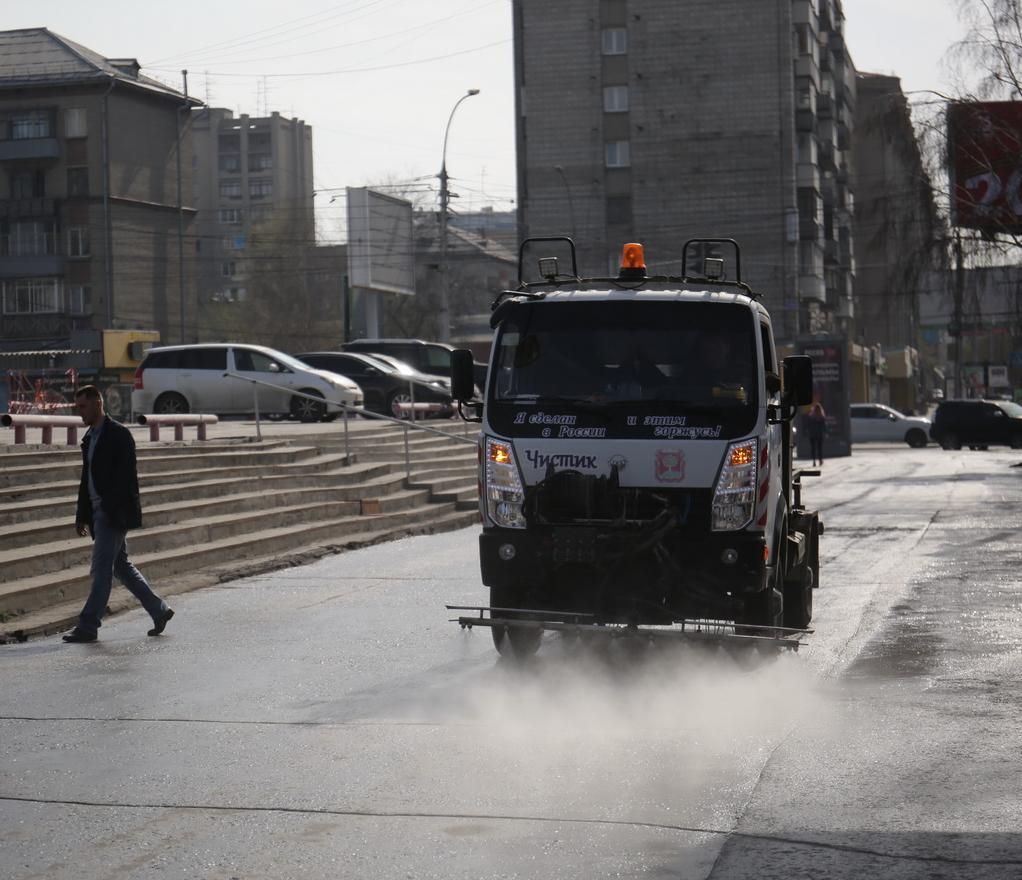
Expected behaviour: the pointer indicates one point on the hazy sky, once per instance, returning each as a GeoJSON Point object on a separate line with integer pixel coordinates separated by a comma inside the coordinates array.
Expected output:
{"type": "Point", "coordinates": [377, 78]}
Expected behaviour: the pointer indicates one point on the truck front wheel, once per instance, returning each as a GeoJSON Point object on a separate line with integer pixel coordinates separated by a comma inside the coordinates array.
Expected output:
{"type": "Point", "coordinates": [515, 643]}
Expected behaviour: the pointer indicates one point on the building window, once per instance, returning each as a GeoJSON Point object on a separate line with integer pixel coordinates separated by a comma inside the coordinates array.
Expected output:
{"type": "Point", "coordinates": [28, 124]}
{"type": "Point", "coordinates": [230, 163]}
{"type": "Point", "coordinates": [79, 299]}
{"type": "Point", "coordinates": [28, 184]}
{"type": "Point", "coordinates": [228, 268]}
{"type": "Point", "coordinates": [25, 238]}
{"type": "Point", "coordinates": [260, 189]}
{"type": "Point", "coordinates": [615, 99]}
{"type": "Point", "coordinates": [809, 204]}
{"type": "Point", "coordinates": [230, 189]}
{"type": "Point", "coordinates": [26, 296]}
{"type": "Point", "coordinates": [78, 241]}
{"type": "Point", "coordinates": [617, 154]}
{"type": "Point", "coordinates": [260, 161]}
{"type": "Point", "coordinates": [230, 215]}
{"type": "Point", "coordinates": [77, 181]}
{"type": "Point", "coordinates": [615, 41]}
{"type": "Point", "coordinates": [75, 123]}
{"type": "Point", "coordinates": [803, 37]}
{"type": "Point", "coordinates": [233, 242]}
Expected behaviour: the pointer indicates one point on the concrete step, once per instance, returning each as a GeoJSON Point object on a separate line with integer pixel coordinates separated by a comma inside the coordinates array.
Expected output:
{"type": "Point", "coordinates": [30, 475]}
{"type": "Point", "coordinates": [342, 480]}
{"type": "Point", "coordinates": [320, 464]}
{"type": "Point", "coordinates": [62, 615]}
{"type": "Point", "coordinates": [386, 494]}
{"type": "Point", "coordinates": [229, 553]}
{"type": "Point", "coordinates": [22, 456]}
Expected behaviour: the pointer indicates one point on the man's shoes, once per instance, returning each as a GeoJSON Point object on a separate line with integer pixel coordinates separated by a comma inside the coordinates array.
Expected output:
{"type": "Point", "coordinates": [79, 635]}
{"type": "Point", "coordinates": [161, 622]}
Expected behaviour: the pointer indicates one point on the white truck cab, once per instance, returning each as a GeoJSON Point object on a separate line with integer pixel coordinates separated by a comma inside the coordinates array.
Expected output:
{"type": "Point", "coordinates": [635, 454]}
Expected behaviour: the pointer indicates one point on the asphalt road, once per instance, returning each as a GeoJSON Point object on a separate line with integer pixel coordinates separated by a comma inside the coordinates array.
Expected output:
{"type": "Point", "coordinates": [329, 722]}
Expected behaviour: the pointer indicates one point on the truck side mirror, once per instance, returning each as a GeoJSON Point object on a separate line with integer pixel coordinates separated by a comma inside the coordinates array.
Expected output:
{"type": "Point", "coordinates": [798, 380]}
{"type": "Point", "coordinates": [462, 376]}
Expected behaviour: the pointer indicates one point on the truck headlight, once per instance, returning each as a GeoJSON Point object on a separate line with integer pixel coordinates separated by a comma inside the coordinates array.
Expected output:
{"type": "Point", "coordinates": [504, 492]}
{"type": "Point", "coordinates": [734, 497]}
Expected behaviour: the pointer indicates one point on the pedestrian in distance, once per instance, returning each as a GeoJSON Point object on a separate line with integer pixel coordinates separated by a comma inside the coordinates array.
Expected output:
{"type": "Point", "coordinates": [108, 507]}
{"type": "Point", "coordinates": [816, 427]}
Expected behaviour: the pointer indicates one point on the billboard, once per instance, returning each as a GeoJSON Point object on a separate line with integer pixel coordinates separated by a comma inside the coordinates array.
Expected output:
{"type": "Point", "coordinates": [985, 164]}
{"type": "Point", "coordinates": [831, 390]}
{"type": "Point", "coordinates": [380, 244]}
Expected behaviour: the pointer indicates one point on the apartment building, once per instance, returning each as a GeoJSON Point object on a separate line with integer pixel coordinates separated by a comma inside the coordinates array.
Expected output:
{"type": "Point", "coordinates": [662, 121]}
{"type": "Point", "coordinates": [254, 195]}
{"type": "Point", "coordinates": [92, 223]}
{"type": "Point", "coordinates": [897, 230]}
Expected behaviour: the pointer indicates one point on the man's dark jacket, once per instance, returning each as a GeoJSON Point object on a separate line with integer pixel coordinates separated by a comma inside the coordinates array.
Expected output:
{"type": "Point", "coordinates": [115, 476]}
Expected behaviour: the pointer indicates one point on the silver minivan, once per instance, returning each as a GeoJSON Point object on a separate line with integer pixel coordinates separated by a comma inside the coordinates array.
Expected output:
{"type": "Point", "coordinates": [217, 379]}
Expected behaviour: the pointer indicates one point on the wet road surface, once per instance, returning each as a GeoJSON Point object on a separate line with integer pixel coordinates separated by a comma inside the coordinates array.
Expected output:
{"type": "Point", "coordinates": [329, 722]}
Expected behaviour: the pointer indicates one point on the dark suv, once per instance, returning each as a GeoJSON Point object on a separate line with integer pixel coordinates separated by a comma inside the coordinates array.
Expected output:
{"type": "Point", "coordinates": [977, 424]}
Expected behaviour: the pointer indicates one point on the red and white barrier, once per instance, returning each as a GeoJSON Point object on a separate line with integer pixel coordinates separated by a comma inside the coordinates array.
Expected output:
{"type": "Point", "coordinates": [177, 421]}
{"type": "Point", "coordinates": [21, 423]}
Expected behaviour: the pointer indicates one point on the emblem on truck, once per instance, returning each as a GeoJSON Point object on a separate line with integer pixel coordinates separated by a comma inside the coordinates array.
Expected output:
{"type": "Point", "coordinates": [669, 466]}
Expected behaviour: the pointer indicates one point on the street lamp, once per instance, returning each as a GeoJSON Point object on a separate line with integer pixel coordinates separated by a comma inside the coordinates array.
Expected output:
{"type": "Point", "coordinates": [445, 197]}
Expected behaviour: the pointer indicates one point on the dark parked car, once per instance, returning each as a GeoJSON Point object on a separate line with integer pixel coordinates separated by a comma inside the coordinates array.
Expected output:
{"type": "Point", "coordinates": [386, 390]}
{"type": "Point", "coordinates": [977, 424]}
{"type": "Point", "coordinates": [427, 357]}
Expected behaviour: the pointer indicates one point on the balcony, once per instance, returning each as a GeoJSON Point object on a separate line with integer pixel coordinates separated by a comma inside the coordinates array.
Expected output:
{"type": "Point", "coordinates": [809, 230]}
{"type": "Point", "coordinates": [31, 266]}
{"type": "Point", "coordinates": [807, 174]}
{"type": "Point", "coordinates": [805, 121]}
{"type": "Point", "coordinates": [805, 65]}
{"type": "Point", "coordinates": [13, 209]}
{"type": "Point", "coordinates": [29, 148]}
{"type": "Point", "coordinates": [811, 287]}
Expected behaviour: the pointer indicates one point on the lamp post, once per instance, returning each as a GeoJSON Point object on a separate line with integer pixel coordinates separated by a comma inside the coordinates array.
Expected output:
{"type": "Point", "coordinates": [445, 197]}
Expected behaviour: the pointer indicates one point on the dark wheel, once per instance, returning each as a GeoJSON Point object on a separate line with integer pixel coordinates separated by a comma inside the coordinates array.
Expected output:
{"type": "Point", "coordinates": [951, 441]}
{"type": "Point", "coordinates": [396, 403]}
{"type": "Point", "coordinates": [916, 438]}
{"type": "Point", "coordinates": [798, 597]}
{"type": "Point", "coordinates": [765, 608]}
{"type": "Point", "coordinates": [512, 642]}
{"type": "Point", "coordinates": [1016, 441]}
{"type": "Point", "coordinates": [170, 403]}
{"type": "Point", "coordinates": [306, 410]}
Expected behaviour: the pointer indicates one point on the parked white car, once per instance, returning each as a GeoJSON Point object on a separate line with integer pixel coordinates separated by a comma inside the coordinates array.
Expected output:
{"type": "Point", "coordinates": [211, 378]}
{"type": "Point", "coordinates": [874, 421]}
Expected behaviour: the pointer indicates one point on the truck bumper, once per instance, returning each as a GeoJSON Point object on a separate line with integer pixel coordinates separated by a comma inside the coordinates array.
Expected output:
{"type": "Point", "coordinates": [568, 567]}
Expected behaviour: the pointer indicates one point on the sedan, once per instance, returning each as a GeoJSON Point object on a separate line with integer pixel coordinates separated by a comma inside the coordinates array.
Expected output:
{"type": "Point", "coordinates": [386, 390]}
{"type": "Point", "coordinates": [874, 421]}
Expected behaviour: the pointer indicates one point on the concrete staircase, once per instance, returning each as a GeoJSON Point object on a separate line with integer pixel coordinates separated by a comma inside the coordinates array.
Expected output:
{"type": "Point", "coordinates": [224, 509]}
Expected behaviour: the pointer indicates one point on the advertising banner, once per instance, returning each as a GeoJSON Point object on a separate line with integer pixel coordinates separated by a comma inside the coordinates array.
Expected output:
{"type": "Point", "coordinates": [985, 162]}
{"type": "Point", "coordinates": [831, 390]}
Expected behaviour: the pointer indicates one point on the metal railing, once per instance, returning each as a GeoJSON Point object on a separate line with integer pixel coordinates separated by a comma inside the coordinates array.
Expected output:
{"type": "Point", "coordinates": [358, 410]}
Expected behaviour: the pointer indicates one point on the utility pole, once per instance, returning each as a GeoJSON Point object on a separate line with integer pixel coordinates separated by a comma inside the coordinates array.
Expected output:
{"type": "Point", "coordinates": [445, 198]}
{"type": "Point", "coordinates": [956, 320]}
{"type": "Point", "coordinates": [181, 212]}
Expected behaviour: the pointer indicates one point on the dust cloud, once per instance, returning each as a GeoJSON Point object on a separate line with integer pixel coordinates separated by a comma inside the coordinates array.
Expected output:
{"type": "Point", "coordinates": [652, 732]}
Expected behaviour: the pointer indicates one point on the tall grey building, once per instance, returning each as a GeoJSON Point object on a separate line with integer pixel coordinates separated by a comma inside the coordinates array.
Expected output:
{"type": "Point", "coordinates": [94, 204]}
{"type": "Point", "coordinates": [254, 195]}
{"type": "Point", "coordinates": [663, 120]}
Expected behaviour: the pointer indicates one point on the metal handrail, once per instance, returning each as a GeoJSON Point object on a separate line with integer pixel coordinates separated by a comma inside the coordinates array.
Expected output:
{"type": "Point", "coordinates": [358, 410]}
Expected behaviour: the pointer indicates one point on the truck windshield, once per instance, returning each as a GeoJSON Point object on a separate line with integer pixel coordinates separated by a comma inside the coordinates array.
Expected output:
{"type": "Point", "coordinates": [698, 355]}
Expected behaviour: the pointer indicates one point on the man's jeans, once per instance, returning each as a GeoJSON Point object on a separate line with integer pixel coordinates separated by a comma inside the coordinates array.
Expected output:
{"type": "Point", "coordinates": [110, 557]}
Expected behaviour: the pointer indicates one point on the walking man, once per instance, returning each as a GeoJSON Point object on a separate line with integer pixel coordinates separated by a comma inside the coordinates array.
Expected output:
{"type": "Point", "coordinates": [108, 506]}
